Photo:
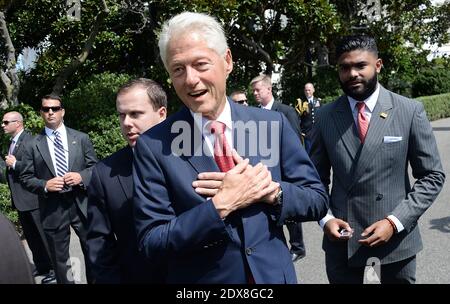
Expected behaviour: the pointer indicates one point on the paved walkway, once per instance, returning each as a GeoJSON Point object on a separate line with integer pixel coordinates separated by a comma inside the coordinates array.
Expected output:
{"type": "Point", "coordinates": [433, 264]}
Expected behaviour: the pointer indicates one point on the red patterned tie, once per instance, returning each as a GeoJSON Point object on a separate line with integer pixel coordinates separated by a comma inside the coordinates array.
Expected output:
{"type": "Point", "coordinates": [222, 151]}
{"type": "Point", "coordinates": [363, 122]}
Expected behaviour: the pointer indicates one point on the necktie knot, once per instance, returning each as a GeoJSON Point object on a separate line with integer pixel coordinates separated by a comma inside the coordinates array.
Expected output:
{"type": "Point", "coordinates": [361, 107]}
{"type": "Point", "coordinates": [217, 127]}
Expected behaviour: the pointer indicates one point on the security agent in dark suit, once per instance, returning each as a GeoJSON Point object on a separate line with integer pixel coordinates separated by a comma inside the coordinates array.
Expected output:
{"type": "Point", "coordinates": [308, 117]}
{"type": "Point", "coordinates": [58, 165]}
{"type": "Point", "coordinates": [23, 200]}
{"type": "Point", "coordinates": [14, 264]}
{"type": "Point", "coordinates": [112, 239]}
{"type": "Point", "coordinates": [262, 90]}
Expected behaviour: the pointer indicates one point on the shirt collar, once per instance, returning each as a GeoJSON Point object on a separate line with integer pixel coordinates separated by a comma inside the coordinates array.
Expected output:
{"type": "Point", "coordinates": [269, 105]}
{"type": "Point", "coordinates": [370, 101]}
{"type": "Point", "coordinates": [61, 129]}
{"type": "Point", "coordinates": [224, 117]}
{"type": "Point", "coordinates": [16, 138]}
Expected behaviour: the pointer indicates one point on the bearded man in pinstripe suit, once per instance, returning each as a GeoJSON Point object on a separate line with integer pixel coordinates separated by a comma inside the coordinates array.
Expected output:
{"type": "Point", "coordinates": [368, 137]}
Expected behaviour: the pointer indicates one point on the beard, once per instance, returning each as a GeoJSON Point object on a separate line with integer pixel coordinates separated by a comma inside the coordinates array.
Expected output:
{"type": "Point", "coordinates": [364, 91]}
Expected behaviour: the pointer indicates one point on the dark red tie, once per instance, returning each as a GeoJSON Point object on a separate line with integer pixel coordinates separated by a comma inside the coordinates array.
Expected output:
{"type": "Point", "coordinates": [222, 151]}
{"type": "Point", "coordinates": [363, 122]}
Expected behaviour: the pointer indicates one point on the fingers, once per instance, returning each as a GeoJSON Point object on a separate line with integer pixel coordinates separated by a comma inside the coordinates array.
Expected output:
{"type": "Point", "coordinates": [216, 176]}
{"type": "Point", "coordinates": [207, 188]}
{"type": "Point", "coordinates": [236, 157]}
{"type": "Point", "coordinates": [368, 230]}
{"type": "Point", "coordinates": [239, 168]}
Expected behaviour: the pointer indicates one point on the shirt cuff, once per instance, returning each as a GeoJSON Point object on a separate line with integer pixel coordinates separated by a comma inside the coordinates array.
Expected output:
{"type": "Point", "coordinates": [397, 223]}
{"type": "Point", "coordinates": [323, 221]}
{"type": "Point", "coordinates": [14, 165]}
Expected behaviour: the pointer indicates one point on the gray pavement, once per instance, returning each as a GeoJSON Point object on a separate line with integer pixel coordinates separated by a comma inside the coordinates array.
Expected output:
{"type": "Point", "coordinates": [433, 263]}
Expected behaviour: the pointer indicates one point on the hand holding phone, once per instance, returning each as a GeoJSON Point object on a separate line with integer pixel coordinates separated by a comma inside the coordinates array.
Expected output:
{"type": "Point", "coordinates": [344, 233]}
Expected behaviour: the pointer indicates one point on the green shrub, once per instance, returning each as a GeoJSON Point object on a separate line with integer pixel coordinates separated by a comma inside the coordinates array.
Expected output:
{"type": "Point", "coordinates": [431, 81]}
{"type": "Point", "coordinates": [6, 207]}
{"type": "Point", "coordinates": [437, 106]}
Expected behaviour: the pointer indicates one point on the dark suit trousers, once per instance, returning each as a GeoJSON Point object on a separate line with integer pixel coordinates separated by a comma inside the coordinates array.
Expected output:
{"type": "Point", "coordinates": [59, 241]}
{"type": "Point", "coordinates": [338, 271]}
{"type": "Point", "coordinates": [296, 238]}
{"type": "Point", "coordinates": [35, 236]}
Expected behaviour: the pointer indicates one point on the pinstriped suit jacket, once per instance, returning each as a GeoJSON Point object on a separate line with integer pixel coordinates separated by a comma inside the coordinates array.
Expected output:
{"type": "Point", "coordinates": [371, 181]}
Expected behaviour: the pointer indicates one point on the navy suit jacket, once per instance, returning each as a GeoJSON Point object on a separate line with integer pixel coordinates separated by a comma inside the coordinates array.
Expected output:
{"type": "Point", "coordinates": [111, 238]}
{"type": "Point", "coordinates": [175, 223]}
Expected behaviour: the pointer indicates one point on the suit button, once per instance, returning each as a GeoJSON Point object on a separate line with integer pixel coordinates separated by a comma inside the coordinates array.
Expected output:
{"type": "Point", "coordinates": [379, 197]}
{"type": "Point", "coordinates": [249, 251]}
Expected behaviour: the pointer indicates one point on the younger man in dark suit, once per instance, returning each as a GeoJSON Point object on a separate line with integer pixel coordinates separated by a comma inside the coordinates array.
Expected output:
{"type": "Point", "coordinates": [111, 240]}
{"type": "Point", "coordinates": [57, 167]}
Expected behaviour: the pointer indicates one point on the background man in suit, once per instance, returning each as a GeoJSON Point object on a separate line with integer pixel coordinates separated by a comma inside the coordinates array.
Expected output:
{"type": "Point", "coordinates": [111, 239]}
{"type": "Point", "coordinates": [57, 167]}
{"type": "Point", "coordinates": [239, 97]}
{"type": "Point", "coordinates": [14, 264]}
{"type": "Point", "coordinates": [23, 200]}
{"type": "Point", "coordinates": [262, 89]}
{"type": "Point", "coordinates": [308, 117]}
{"type": "Point", "coordinates": [368, 137]}
{"type": "Point", "coordinates": [236, 235]}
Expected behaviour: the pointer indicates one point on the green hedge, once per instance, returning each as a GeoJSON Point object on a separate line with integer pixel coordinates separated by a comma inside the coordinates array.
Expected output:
{"type": "Point", "coordinates": [436, 106]}
{"type": "Point", "coordinates": [6, 208]}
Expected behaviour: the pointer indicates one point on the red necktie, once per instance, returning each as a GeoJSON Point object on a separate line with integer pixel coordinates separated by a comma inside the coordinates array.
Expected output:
{"type": "Point", "coordinates": [222, 151]}
{"type": "Point", "coordinates": [363, 122]}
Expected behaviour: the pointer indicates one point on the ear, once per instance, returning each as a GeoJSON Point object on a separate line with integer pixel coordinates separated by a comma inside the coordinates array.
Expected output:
{"type": "Point", "coordinates": [162, 112]}
{"type": "Point", "coordinates": [228, 62]}
{"type": "Point", "coordinates": [379, 65]}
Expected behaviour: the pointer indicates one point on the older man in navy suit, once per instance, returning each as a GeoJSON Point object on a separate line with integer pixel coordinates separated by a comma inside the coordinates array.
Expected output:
{"type": "Point", "coordinates": [235, 234]}
{"type": "Point", "coordinates": [111, 240]}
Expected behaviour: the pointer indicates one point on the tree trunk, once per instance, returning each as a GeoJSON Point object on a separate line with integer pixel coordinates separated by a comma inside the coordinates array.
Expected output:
{"type": "Point", "coordinates": [9, 80]}
{"type": "Point", "coordinates": [77, 62]}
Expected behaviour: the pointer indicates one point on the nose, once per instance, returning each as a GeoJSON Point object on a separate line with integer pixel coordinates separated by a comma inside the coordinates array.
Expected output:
{"type": "Point", "coordinates": [191, 76]}
{"type": "Point", "coordinates": [127, 121]}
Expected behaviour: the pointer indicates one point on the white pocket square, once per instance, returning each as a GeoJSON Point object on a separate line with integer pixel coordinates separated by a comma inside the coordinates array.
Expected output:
{"type": "Point", "coordinates": [392, 139]}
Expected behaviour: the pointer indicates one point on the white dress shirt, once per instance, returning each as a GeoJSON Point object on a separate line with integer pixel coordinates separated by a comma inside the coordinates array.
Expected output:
{"type": "Point", "coordinates": [15, 139]}
{"type": "Point", "coordinates": [204, 125]}
{"type": "Point", "coordinates": [269, 105]}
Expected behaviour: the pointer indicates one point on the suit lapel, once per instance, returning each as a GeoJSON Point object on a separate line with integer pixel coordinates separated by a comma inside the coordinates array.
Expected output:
{"type": "Point", "coordinates": [42, 147]}
{"type": "Point", "coordinates": [240, 118]}
{"type": "Point", "coordinates": [374, 137]}
{"type": "Point", "coordinates": [18, 144]}
{"type": "Point", "coordinates": [72, 146]}
{"type": "Point", "coordinates": [346, 127]}
{"type": "Point", "coordinates": [197, 158]}
{"type": "Point", "coordinates": [124, 176]}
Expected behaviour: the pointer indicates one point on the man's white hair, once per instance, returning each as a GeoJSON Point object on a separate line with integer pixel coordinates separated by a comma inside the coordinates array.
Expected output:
{"type": "Point", "coordinates": [207, 27]}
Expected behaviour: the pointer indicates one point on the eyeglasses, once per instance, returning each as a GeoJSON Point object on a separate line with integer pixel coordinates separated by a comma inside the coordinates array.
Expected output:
{"type": "Point", "coordinates": [6, 122]}
{"type": "Point", "coordinates": [54, 109]}
{"type": "Point", "coordinates": [242, 101]}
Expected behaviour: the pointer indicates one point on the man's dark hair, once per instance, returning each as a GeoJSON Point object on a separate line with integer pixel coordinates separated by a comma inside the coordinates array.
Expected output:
{"type": "Point", "coordinates": [238, 92]}
{"type": "Point", "coordinates": [155, 92]}
{"type": "Point", "coordinates": [356, 42]}
{"type": "Point", "coordinates": [54, 96]}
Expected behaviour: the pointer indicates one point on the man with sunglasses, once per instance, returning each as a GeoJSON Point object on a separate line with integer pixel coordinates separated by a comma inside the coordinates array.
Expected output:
{"type": "Point", "coordinates": [58, 167]}
{"type": "Point", "coordinates": [24, 201]}
{"type": "Point", "coordinates": [239, 97]}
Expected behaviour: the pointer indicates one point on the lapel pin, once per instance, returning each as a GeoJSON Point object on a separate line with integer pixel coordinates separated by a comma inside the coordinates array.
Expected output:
{"type": "Point", "coordinates": [383, 115]}
{"type": "Point", "coordinates": [74, 142]}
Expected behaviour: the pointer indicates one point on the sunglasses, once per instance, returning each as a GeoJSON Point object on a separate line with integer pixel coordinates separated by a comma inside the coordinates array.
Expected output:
{"type": "Point", "coordinates": [6, 122]}
{"type": "Point", "coordinates": [54, 109]}
{"type": "Point", "coordinates": [242, 101]}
